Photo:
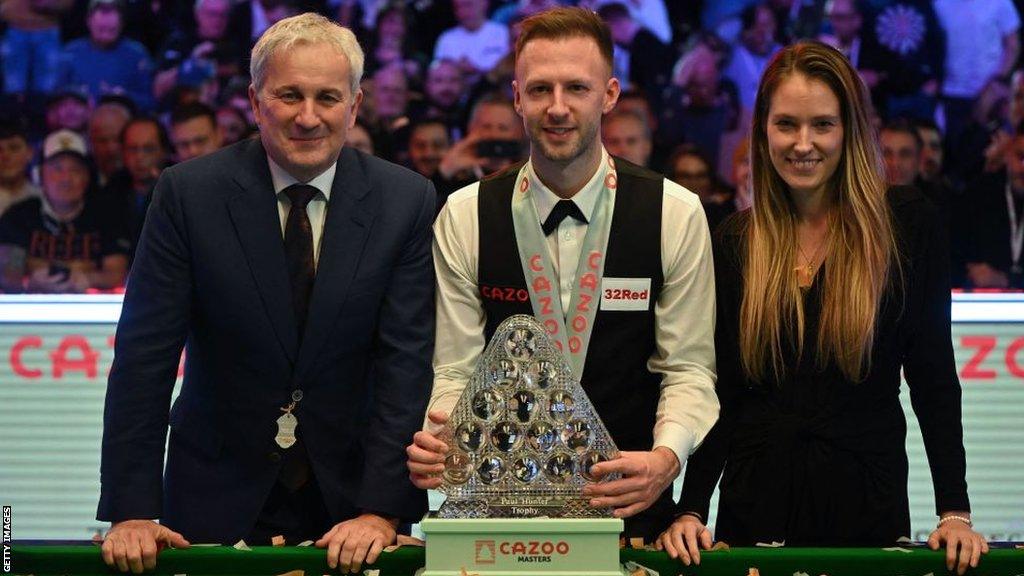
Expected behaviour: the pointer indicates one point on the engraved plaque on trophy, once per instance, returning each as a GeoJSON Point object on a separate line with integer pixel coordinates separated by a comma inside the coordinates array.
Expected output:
{"type": "Point", "coordinates": [523, 435]}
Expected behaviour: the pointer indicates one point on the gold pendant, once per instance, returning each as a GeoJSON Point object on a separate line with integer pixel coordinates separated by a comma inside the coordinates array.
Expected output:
{"type": "Point", "coordinates": [804, 275]}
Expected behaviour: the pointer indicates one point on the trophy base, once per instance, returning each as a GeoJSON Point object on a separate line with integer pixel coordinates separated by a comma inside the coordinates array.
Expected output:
{"type": "Point", "coordinates": [522, 546]}
{"type": "Point", "coordinates": [512, 507]}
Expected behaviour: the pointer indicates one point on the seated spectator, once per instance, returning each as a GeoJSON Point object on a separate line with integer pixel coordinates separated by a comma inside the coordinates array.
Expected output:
{"type": "Point", "coordinates": [194, 131]}
{"type": "Point", "coordinates": [388, 98]}
{"type": "Point", "coordinates": [233, 125]}
{"type": "Point", "coordinates": [750, 57]}
{"type": "Point", "coordinates": [236, 95]}
{"type": "Point", "coordinates": [429, 141]}
{"type": "Point", "coordinates": [359, 137]}
{"type": "Point", "coordinates": [251, 18]}
{"type": "Point", "coordinates": [691, 170]}
{"type": "Point", "coordinates": [902, 148]}
{"type": "Point", "coordinates": [62, 241]}
{"type": "Point", "coordinates": [106, 62]}
{"type": "Point", "coordinates": [31, 45]}
{"type": "Point", "coordinates": [995, 218]}
{"type": "Point", "coordinates": [67, 109]}
{"type": "Point", "coordinates": [146, 149]}
{"type": "Point", "coordinates": [652, 15]}
{"type": "Point", "coordinates": [983, 135]}
{"type": "Point", "coordinates": [642, 59]}
{"type": "Point", "coordinates": [494, 140]}
{"type": "Point", "coordinates": [637, 101]}
{"type": "Point", "coordinates": [932, 168]}
{"type": "Point", "coordinates": [105, 126]}
{"type": "Point", "coordinates": [391, 44]}
{"type": "Point", "coordinates": [207, 44]}
{"type": "Point", "coordinates": [443, 93]}
{"type": "Point", "coordinates": [627, 135]}
{"type": "Point", "coordinates": [15, 157]}
{"type": "Point", "coordinates": [700, 106]}
{"type": "Point", "coordinates": [476, 44]}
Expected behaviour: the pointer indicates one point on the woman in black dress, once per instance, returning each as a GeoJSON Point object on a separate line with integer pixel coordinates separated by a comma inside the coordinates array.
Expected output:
{"type": "Point", "coordinates": [826, 289]}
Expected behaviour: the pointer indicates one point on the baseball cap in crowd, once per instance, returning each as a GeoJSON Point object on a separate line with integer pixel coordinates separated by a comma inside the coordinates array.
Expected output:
{"type": "Point", "coordinates": [64, 142]}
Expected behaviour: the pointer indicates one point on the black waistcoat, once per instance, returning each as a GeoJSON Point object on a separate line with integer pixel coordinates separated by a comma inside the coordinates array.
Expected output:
{"type": "Point", "coordinates": [615, 374]}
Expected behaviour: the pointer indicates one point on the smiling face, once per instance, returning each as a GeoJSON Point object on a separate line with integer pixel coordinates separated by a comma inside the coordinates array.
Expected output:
{"type": "Point", "coordinates": [305, 107]}
{"type": "Point", "coordinates": [562, 89]}
{"type": "Point", "coordinates": [805, 133]}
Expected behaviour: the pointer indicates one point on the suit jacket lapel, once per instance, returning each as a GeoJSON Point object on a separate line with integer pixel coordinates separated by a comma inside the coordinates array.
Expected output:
{"type": "Point", "coordinates": [350, 215]}
{"type": "Point", "coordinates": [257, 223]}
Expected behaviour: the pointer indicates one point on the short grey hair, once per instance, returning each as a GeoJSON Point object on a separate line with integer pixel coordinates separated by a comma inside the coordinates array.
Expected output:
{"type": "Point", "coordinates": [308, 28]}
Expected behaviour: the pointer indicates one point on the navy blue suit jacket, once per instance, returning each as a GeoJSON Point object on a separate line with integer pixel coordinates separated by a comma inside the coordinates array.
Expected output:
{"type": "Point", "coordinates": [210, 274]}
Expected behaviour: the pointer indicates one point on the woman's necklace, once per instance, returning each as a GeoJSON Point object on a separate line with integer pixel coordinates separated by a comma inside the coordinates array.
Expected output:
{"type": "Point", "coordinates": [805, 272]}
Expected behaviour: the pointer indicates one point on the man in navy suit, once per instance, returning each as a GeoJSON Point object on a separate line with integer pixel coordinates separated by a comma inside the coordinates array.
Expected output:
{"type": "Point", "coordinates": [298, 276]}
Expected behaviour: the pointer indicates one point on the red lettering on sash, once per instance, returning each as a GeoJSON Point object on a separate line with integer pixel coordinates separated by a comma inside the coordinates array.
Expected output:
{"type": "Point", "coordinates": [552, 327]}
{"type": "Point", "coordinates": [584, 305]}
{"type": "Point", "coordinates": [541, 284]}
{"type": "Point", "coordinates": [589, 281]}
{"type": "Point", "coordinates": [575, 344]}
{"type": "Point", "coordinates": [536, 263]}
{"type": "Point", "coordinates": [594, 260]}
{"type": "Point", "coordinates": [545, 305]}
{"type": "Point", "coordinates": [579, 323]}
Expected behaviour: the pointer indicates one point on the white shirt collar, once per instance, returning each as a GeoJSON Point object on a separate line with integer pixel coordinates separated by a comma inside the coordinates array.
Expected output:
{"type": "Point", "coordinates": [544, 200]}
{"type": "Point", "coordinates": [282, 179]}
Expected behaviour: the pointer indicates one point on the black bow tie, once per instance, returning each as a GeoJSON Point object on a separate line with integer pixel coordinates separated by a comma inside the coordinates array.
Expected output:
{"type": "Point", "coordinates": [562, 209]}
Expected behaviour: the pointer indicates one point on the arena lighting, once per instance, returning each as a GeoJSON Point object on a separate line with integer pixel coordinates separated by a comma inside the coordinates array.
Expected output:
{"type": "Point", "coordinates": [106, 308]}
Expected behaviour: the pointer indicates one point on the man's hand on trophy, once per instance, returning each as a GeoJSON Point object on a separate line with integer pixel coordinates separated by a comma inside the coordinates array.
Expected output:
{"type": "Point", "coordinates": [645, 475]}
{"type": "Point", "coordinates": [426, 453]}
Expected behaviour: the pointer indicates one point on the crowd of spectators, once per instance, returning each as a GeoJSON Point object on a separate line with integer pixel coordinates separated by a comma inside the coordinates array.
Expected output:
{"type": "Point", "coordinates": [99, 96]}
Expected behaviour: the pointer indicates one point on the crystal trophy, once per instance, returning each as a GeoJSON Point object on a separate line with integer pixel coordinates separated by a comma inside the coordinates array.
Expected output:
{"type": "Point", "coordinates": [522, 440]}
{"type": "Point", "coordinates": [523, 436]}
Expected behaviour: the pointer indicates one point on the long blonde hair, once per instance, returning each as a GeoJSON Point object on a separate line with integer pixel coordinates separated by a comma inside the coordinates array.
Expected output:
{"type": "Point", "coordinates": [860, 248]}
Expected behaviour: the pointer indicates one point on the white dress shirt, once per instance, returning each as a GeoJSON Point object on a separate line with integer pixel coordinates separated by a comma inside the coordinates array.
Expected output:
{"type": "Point", "coordinates": [317, 207]}
{"type": "Point", "coordinates": [684, 312]}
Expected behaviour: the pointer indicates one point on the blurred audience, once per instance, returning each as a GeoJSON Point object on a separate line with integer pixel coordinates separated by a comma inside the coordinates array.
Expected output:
{"type": "Point", "coordinates": [429, 141]}
{"type": "Point", "coordinates": [194, 131]}
{"type": "Point", "coordinates": [106, 61]}
{"type": "Point", "coordinates": [63, 241]}
{"type": "Point", "coordinates": [691, 170]}
{"type": "Point", "coordinates": [31, 45]}
{"type": "Point", "coordinates": [626, 134]}
{"type": "Point", "coordinates": [358, 137]}
{"type": "Point", "coordinates": [495, 139]}
{"type": "Point", "coordinates": [995, 223]}
{"type": "Point", "coordinates": [477, 43]}
{"type": "Point", "coordinates": [437, 88]}
{"type": "Point", "coordinates": [105, 126]}
{"type": "Point", "coordinates": [15, 157]}
{"type": "Point", "coordinates": [146, 150]}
